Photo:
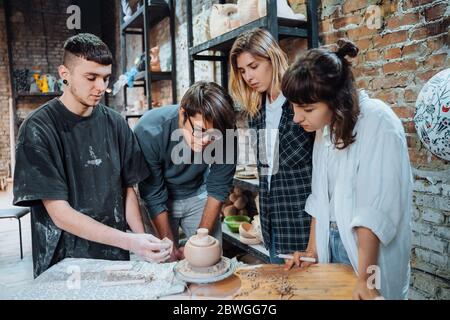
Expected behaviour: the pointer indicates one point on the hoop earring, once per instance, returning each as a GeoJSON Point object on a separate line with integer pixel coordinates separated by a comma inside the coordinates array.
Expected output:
{"type": "Point", "coordinates": [65, 82]}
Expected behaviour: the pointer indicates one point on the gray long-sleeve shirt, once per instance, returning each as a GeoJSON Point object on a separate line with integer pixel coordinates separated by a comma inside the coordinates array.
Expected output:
{"type": "Point", "coordinates": [169, 180]}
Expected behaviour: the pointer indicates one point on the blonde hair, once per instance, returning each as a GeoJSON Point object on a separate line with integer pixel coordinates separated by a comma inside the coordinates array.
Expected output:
{"type": "Point", "coordinates": [259, 43]}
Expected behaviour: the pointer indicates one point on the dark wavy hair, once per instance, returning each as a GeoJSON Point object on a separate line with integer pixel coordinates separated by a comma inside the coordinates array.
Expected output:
{"type": "Point", "coordinates": [211, 101]}
{"type": "Point", "coordinates": [320, 75]}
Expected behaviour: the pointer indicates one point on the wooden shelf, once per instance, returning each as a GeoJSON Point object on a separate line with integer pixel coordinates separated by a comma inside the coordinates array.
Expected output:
{"type": "Point", "coordinates": [247, 184]}
{"type": "Point", "coordinates": [158, 9]}
{"type": "Point", "coordinates": [287, 28]}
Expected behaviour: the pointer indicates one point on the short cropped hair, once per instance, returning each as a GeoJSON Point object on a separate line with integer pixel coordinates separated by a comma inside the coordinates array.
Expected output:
{"type": "Point", "coordinates": [89, 47]}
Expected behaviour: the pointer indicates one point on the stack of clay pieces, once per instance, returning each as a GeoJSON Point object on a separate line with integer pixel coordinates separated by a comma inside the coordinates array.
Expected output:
{"type": "Point", "coordinates": [235, 204]}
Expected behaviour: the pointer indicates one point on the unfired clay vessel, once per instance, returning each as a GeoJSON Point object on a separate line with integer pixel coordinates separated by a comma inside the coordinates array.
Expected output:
{"type": "Point", "coordinates": [202, 250]}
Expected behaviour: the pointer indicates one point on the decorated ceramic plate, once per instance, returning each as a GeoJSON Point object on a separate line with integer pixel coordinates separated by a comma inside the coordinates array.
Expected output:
{"type": "Point", "coordinates": [432, 118]}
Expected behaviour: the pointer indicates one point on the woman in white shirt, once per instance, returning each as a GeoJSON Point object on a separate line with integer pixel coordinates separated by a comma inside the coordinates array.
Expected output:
{"type": "Point", "coordinates": [362, 184]}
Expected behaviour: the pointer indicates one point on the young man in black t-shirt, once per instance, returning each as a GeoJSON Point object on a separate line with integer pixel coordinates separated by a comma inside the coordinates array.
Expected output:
{"type": "Point", "coordinates": [76, 164]}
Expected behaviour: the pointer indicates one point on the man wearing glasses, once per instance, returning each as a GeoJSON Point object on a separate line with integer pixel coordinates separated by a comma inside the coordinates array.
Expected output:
{"type": "Point", "coordinates": [188, 183]}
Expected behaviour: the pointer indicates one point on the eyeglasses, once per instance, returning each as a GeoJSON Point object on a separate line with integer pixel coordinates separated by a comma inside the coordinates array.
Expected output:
{"type": "Point", "coordinates": [210, 135]}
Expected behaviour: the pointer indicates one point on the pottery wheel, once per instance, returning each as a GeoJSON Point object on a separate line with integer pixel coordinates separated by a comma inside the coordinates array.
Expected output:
{"type": "Point", "coordinates": [217, 272]}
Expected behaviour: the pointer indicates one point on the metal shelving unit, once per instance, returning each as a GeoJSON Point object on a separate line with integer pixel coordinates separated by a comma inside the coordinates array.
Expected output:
{"type": "Point", "coordinates": [140, 23]}
{"type": "Point", "coordinates": [280, 28]}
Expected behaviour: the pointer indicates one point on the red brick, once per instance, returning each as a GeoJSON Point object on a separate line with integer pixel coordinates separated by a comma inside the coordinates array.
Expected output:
{"type": "Point", "coordinates": [410, 95]}
{"type": "Point", "coordinates": [411, 49]}
{"type": "Point", "coordinates": [353, 5]}
{"type": "Point", "coordinates": [392, 53]}
{"type": "Point", "coordinates": [404, 112]}
{"type": "Point", "coordinates": [435, 12]}
{"type": "Point", "coordinates": [410, 126]}
{"type": "Point", "coordinates": [345, 21]}
{"type": "Point", "coordinates": [418, 158]}
{"type": "Point", "coordinates": [388, 82]}
{"type": "Point", "coordinates": [402, 20]}
{"type": "Point", "coordinates": [425, 76]}
{"type": "Point", "coordinates": [413, 141]}
{"type": "Point", "coordinates": [364, 71]}
{"type": "Point", "coordinates": [387, 96]}
{"type": "Point", "coordinates": [430, 30]}
{"type": "Point", "coordinates": [363, 44]}
{"type": "Point", "coordinates": [372, 55]}
{"type": "Point", "coordinates": [326, 26]}
{"type": "Point", "coordinates": [393, 67]}
{"type": "Point", "coordinates": [437, 43]}
{"type": "Point", "coordinates": [391, 38]}
{"type": "Point", "coordinates": [361, 32]}
{"type": "Point", "coordinates": [436, 60]}
{"type": "Point", "coordinates": [332, 38]}
{"type": "Point", "coordinates": [414, 3]}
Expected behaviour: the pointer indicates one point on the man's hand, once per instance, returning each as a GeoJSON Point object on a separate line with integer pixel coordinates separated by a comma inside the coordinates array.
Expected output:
{"type": "Point", "coordinates": [176, 254]}
{"type": "Point", "coordinates": [180, 253]}
{"type": "Point", "coordinates": [149, 247]}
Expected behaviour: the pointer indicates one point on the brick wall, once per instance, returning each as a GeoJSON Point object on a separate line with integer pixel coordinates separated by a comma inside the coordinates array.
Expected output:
{"type": "Point", "coordinates": [5, 155]}
{"type": "Point", "coordinates": [38, 31]}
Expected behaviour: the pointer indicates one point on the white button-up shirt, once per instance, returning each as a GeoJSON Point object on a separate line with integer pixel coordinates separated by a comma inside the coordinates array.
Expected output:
{"type": "Point", "coordinates": [373, 189]}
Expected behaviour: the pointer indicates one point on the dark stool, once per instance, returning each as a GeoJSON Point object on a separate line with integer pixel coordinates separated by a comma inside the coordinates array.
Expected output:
{"type": "Point", "coordinates": [16, 213]}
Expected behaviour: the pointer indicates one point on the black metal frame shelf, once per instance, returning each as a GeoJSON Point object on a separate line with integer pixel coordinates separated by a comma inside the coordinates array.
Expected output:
{"type": "Point", "coordinates": [159, 10]}
{"type": "Point", "coordinates": [279, 27]}
{"type": "Point", "coordinates": [140, 23]}
{"type": "Point", "coordinates": [139, 79]}
{"type": "Point", "coordinates": [287, 28]}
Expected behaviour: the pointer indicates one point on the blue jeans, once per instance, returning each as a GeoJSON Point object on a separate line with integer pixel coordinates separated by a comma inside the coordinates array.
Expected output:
{"type": "Point", "coordinates": [272, 252]}
{"type": "Point", "coordinates": [337, 250]}
{"type": "Point", "coordinates": [187, 214]}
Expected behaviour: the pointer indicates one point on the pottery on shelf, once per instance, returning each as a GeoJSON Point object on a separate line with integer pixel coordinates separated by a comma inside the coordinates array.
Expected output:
{"type": "Point", "coordinates": [202, 250]}
{"type": "Point", "coordinates": [155, 63]}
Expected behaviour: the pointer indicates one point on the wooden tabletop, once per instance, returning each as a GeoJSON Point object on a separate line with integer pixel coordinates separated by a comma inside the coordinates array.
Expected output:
{"type": "Point", "coordinates": [272, 282]}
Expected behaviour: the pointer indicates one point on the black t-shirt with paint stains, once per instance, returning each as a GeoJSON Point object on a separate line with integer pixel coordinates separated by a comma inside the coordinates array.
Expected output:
{"type": "Point", "coordinates": [87, 161]}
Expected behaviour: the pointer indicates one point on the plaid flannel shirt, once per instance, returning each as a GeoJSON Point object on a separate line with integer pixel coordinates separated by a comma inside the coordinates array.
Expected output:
{"type": "Point", "coordinates": [282, 207]}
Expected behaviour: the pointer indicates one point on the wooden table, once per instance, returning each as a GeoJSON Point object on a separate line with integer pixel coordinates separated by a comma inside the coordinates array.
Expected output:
{"type": "Point", "coordinates": [317, 282]}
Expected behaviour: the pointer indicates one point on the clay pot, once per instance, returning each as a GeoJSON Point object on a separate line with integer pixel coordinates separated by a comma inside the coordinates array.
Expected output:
{"type": "Point", "coordinates": [245, 230]}
{"type": "Point", "coordinates": [247, 234]}
{"type": "Point", "coordinates": [230, 211]}
{"type": "Point", "coordinates": [202, 250]}
{"type": "Point", "coordinates": [237, 191]}
{"type": "Point", "coordinates": [233, 197]}
{"type": "Point", "coordinates": [240, 202]}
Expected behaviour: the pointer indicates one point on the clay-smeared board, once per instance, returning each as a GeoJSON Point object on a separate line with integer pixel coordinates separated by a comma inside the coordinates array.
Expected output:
{"type": "Point", "coordinates": [317, 282]}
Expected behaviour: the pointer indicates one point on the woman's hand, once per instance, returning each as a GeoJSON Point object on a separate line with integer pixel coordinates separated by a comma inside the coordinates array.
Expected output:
{"type": "Point", "coordinates": [289, 263]}
{"type": "Point", "coordinates": [363, 292]}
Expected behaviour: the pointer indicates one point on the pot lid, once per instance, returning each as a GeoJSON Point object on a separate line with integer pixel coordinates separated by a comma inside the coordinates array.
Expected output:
{"type": "Point", "coordinates": [202, 239]}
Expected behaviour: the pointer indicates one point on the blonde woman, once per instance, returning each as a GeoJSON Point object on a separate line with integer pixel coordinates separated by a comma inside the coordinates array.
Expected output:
{"type": "Point", "coordinates": [284, 150]}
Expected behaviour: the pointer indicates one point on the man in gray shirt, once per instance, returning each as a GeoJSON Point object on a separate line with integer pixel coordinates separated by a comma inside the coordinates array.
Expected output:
{"type": "Point", "coordinates": [192, 160]}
